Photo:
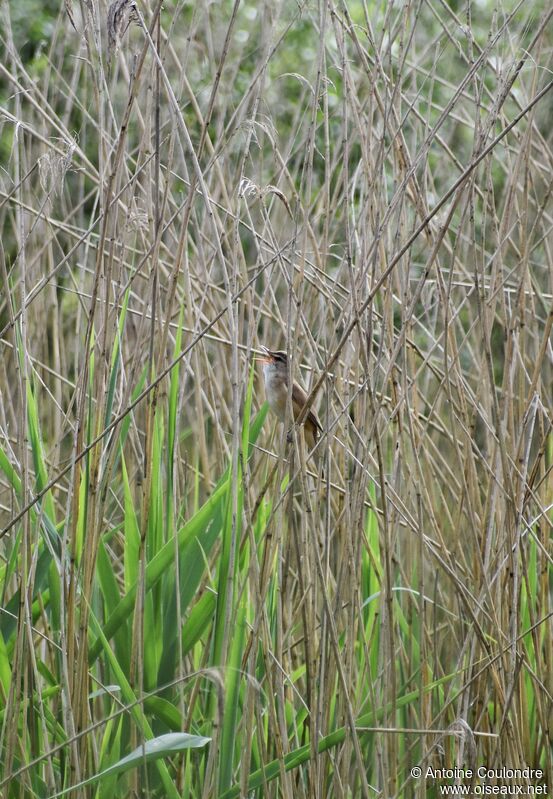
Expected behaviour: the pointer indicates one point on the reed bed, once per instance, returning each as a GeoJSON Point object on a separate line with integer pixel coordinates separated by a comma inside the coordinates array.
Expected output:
{"type": "Point", "coordinates": [192, 606]}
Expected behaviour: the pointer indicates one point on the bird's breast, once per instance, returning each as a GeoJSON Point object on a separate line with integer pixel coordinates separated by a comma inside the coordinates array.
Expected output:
{"type": "Point", "coordinates": [276, 391]}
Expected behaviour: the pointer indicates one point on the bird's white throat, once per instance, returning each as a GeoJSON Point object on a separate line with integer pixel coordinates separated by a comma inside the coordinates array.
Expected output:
{"type": "Point", "coordinates": [275, 389]}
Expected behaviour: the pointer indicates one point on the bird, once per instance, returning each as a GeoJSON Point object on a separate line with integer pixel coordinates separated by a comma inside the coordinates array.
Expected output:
{"type": "Point", "coordinates": [276, 372]}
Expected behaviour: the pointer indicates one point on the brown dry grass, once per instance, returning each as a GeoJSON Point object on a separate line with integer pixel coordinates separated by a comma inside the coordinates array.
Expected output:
{"type": "Point", "coordinates": [369, 188]}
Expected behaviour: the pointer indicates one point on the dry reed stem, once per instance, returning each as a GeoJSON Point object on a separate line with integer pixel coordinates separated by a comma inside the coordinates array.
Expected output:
{"type": "Point", "coordinates": [381, 207]}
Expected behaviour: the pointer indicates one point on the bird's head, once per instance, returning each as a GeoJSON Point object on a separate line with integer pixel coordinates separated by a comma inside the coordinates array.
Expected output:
{"type": "Point", "coordinates": [275, 357]}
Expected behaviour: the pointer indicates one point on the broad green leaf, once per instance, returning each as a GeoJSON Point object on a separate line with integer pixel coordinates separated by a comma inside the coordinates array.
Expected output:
{"type": "Point", "coordinates": [132, 533]}
{"type": "Point", "coordinates": [198, 621]}
{"type": "Point", "coordinates": [164, 711]}
{"type": "Point", "coordinates": [187, 537]}
{"type": "Point", "coordinates": [109, 754]}
{"type": "Point", "coordinates": [233, 676]}
{"type": "Point", "coordinates": [197, 533]}
{"type": "Point", "coordinates": [135, 708]}
{"type": "Point", "coordinates": [152, 750]}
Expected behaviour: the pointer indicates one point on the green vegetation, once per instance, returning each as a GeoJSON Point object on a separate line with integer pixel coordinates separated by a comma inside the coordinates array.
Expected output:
{"type": "Point", "coordinates": [190, 605]}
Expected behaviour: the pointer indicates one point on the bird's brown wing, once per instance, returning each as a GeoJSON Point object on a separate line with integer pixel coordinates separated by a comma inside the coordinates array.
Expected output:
{"type": "Point", "coordinates": [298, 401]}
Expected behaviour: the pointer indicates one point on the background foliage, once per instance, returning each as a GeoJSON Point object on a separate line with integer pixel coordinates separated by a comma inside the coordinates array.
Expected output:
{"type": "Point", "coordinates": [191, 606]}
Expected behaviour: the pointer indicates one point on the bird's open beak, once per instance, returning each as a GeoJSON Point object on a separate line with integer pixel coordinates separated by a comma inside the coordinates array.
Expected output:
{"type": "Point", "coordinates": [267, 358]}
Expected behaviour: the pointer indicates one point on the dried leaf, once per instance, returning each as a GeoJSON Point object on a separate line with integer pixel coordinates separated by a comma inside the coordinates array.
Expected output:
{"type": "Point", "coordinates": [248, 188]}
{"type": "Point", "coordinates": [270, 189]}
{"type": "Point", "coordinates": [120, 15]}
{"type": "Point", "coordinates": [53, 167]}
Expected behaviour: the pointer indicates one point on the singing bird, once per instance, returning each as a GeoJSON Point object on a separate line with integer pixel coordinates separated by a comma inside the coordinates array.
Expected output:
{"type": "Point", "coordinates": [276, 371]}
